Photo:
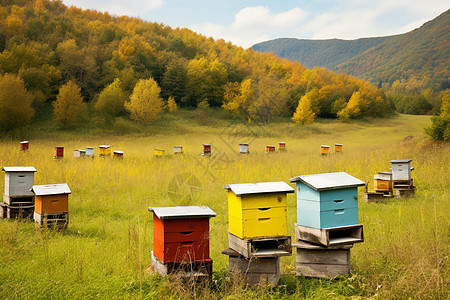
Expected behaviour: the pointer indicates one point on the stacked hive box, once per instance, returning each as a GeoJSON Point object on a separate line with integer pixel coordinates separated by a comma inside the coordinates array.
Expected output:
{"type": "Point", "coordinates": [383, 188]}
{"type": "Point", "coordinates": [206, 150]}
{"type": "Point", "coordinates": [257, 237]}
{"type": "Point", "coordinates": [402, 181]}
{"type": "Point", "coordinates": [327, 223]}
{"type": "Point", "coordinates": [181, 240]}
{"type": "Point", "coordinates": [18, 200]}
{"type": "Point", "coordinates": [51, 205]}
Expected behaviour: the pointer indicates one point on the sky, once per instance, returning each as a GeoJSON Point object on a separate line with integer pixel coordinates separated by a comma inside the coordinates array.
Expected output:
{"type": "Point", "coordinates": [247, 22]}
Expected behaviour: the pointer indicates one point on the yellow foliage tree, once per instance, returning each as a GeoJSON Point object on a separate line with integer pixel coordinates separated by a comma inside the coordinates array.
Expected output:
{"type": "Point", "coordinates": [15, 102]}
{"type": "Point", "coordinates": [354, 107]}
{"type": "Point", "coordinates": [304, 113]}
{"type": "Point", "coordinates": [145, 103]}
{"type": "Point", "coordinates": [445, 107]}
{"type": "Point", "coordinates": [69, 105]}
{"type": "Point", "coordinates": [171, 104]}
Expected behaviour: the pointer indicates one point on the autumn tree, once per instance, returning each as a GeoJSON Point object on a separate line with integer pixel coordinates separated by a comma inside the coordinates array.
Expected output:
{"type": "Point", "coordinates": [171, 105]}
{"type": "Point", "coordinates": [15, 102]}
{"type": "Point", "coordinates": [354, 107]}
{"type": "Point", "coordinates": [304, 113]}
{"type": "Point", "coordinates": [110, 103]}
{"type": "Point", "coordinates": [440, 126]}
{"type": "Point", "coordinates": [69, 106]}
{"type": "Point", "coordinates": [145, 103]}
{"type": "Point", "coordinates": [239, 99]}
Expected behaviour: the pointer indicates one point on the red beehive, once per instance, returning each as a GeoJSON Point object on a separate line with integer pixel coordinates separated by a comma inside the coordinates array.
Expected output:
{"type": "Point", "coordinates": [181, 233]}
{"type": "Point", "coordinates": [23, 145]}
{"type": "Point", "coordinates": [59, 152]}
{"type": "Point", "coordinates": [206, 150]}
{"type": "Point", "coordinates": [270, 149]}
{"type": "Point", "coordinates": [281, 146]}
{"type": "Point", "coordinates": [118, 154]}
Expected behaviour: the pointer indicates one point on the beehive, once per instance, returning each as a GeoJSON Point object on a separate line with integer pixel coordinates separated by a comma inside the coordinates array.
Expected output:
{"type": "Point", "coordinates": [51, 198]}
{"type": "Point", "coordinates": [206, 150]}
{"type": "Point", "coordinates": [327, 200]}
{"type": "Point", "coordinates": [59, 152]}
{"type": "Point", "coordinates": [19, 181]}
{"type": "Point", "coordinates": [118, 154]}
{"type": "Point", "coordinates": [24, 145]}
{"type": "Point", "coordinates": [281, 146]}
{"type": "Point", "coordinates": [257, 209]}
{"type": "Point", "coordinates": [177, 149]}
{"type": "Point", "coordinates": [243, 148]}
{"type": "Point", "coordinates": [76, 153]}
{"type": "Point", "coordinates": [158, 152]}
{"type": "Point", "coordinates": [104, 150]}
{"type": "Point", "coordinates": [90, 151]}
{"type": "Point", "coordinates": [270, 149]}
{"type": "Point", "coordinates": [401, 169]}
{"type": "Point", "coordinates": [181, 233]}
{"type": "Point", "coordinates": [337, 147]}
{"type": "Point", "coordinates": [383, 182]}
{"type": "Point", "coordinates": [324, 149]}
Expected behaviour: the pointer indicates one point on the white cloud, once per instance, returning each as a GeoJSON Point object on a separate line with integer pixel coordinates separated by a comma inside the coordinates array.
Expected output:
{"type": "Point", "coordinates": [129, 7]}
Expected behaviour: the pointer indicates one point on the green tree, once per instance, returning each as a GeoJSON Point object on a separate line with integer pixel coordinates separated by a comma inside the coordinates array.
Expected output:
{"type": "Point", "coordinates": [69, 106]}
{"type": "Point", "coordinates": [145, 103]}
{"type": "Point", "coordinates": [15, 102]}
{"type": "Point", "coordinates": [304, 113]}
{"type": "Point", "coordinates": [110, 103]}
{"type": "Point", "coordinates": [440, 125]}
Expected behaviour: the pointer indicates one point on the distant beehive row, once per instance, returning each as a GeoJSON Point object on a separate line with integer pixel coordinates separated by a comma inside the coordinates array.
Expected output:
{"type": "Point", "coordinates": [398, 180]}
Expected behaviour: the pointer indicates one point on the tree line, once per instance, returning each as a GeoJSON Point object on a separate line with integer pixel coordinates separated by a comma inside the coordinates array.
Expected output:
{"type": "Point", "coordinates": [127, 67]}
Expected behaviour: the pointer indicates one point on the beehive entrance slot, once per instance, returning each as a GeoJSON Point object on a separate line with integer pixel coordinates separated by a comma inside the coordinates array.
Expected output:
{"type": "Point", "coordinates": [187, 244]}
{"type": "Point", "coordinates": [339, 201]}
{"type": "Point", "coordinates": [186, 232]}
{"type": "Point", "coordinates": [264, 209]}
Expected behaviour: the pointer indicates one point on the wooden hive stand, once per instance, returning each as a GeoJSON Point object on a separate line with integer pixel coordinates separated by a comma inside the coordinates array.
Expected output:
{"type": "Point", "coordinates": [322, 262]}
{"type": "Point", "coordinates": [254, 271]}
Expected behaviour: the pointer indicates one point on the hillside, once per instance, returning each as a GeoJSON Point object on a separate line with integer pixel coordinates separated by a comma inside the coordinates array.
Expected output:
{"type": "Point", "coordinates": [319, 53]}
{"type": "Point", "coordinates": [45, 45]}
{"type": "Point", "coordinates": [422, 54]}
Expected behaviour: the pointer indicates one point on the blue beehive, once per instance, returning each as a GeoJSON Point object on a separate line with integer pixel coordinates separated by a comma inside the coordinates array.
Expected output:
{"type": "Point", "coordinates": [327, 200]}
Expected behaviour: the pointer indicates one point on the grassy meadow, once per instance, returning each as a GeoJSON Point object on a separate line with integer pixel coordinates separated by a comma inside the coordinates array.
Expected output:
{"type": "Point", "coordinates": [105, 252]}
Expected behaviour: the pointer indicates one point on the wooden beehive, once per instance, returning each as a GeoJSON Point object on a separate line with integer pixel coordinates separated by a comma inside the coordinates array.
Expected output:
{"type": "Point", "coordinates": [181, 233]}
{"type": "Point", "coordinates": [118, 154]}
{"type": "Point", "coordinates": [51, 198]}
{"type": "Point", "coordinates": [322, 262]}
{"type": "Point", "coordinates": [243, 148]}
{"type": "Point", "coordinates": [104, 150]}
{"type": "Point", "coordinates": [324, 149]}
{"type": "Point", "coordinates": [90, 151]}
{"type": "Point", "coordinates": [158, 152]}
{"type": "Point", "coordinates": [76, 153]}
{"type": "Point", "coordinates": [270, 149]}
{"type": "Point", "coordinates": [206, 150]}
{"type": "Point", "coordinates": [257, 209]}
{"type": "Point", "coordinates": [281, 146]}
{"type": "Point", "coordinates": [19, 181]}
{"type": "Point", "coordinates": [382, 182]}
{"type": "Point", "coordinates": [24, 145]}
{"type": "Point", "coordinates": [401, 169]}
{"type": "Point", "coordinates": [337, 147]}
{"type": "Point", "coordinates": [177, 149]}
{"type": "Point", "coordinates": [327, 200]}
{"type": "Point", "coordinates": [59, 152]}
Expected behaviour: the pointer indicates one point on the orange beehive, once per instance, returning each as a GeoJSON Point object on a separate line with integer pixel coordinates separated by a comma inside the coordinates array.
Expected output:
{"type": "Point", "coordinates": [51, 198]}
{"type": "Point", "coordinates": [337, 147]}
{"type": "Point", "coordinates": [23, 145]}
{"type": "Point", "coordinates": [324, 149]}
{"type": "Point", "coordinates": [270, 149]}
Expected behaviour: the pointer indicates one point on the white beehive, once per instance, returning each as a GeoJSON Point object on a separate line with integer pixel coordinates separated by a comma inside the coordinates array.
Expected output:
{"type": "Point", "coordinates": [19, 181]}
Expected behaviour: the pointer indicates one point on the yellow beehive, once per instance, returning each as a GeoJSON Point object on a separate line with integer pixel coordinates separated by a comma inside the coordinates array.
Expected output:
{"type": "Point", "coordinates": [337, 147]}
{"type": "Point", "coordinates": [104, 150]}
{"type": "Point", "coordinates": [324, 149]}
{"type": "Point", "coordinates": [258, 209]}
{"type": "Point", "coordinates": [382, 182]}
{"type": "Point", "coordinates": [158, 152]}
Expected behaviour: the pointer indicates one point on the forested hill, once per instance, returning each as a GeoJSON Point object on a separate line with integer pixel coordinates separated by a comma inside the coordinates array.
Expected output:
{"type": "Point", "coordinates": [421, 55]}
{"type": "Point", "coordinates": [319, 53]}
{"type": "Point", "coordinates": [53, 53]}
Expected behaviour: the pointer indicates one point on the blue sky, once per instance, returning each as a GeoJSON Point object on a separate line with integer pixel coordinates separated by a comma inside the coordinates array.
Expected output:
{"type": "Point", "coordinates": [246, 22]}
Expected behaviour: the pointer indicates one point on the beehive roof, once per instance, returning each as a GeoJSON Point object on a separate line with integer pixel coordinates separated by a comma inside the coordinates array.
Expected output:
{"type": "Point", "coordinates": [179, 212]}
{"type": "Point", "coordinates": [242, 189]}
{"type": "Point", "coordinates": [400, 161]}
{"type": "Point", "coordinates": [104, 146]}
{"type": "Point", "coordinates": [51, 189]}
{"type": "Point", "coordinates": [19, 169]}
{"type": "Point", "coordinates": [329, 181]}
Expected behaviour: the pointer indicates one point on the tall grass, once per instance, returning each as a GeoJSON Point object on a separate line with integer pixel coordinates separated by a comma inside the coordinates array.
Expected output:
{"type": "Point", "coordinates": [105, 252]}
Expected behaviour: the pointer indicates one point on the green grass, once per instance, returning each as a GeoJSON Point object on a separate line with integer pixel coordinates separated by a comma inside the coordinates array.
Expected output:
{"type": "Point", "coordinates": [105, 252]}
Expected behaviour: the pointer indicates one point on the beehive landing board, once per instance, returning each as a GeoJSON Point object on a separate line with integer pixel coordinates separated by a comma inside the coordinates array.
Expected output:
{"type": "Point", "coordinates": [330, 236]}
{"type": "Point", "coordinates": [259, 247]}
